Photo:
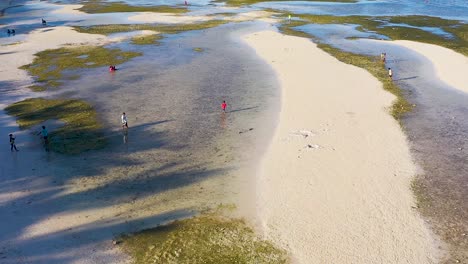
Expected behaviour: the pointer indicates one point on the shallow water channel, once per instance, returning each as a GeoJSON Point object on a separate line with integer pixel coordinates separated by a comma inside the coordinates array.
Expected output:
{"type": "Point", "coordinates": [180, 155]}
{"type": "Point", "coordinates": [172, 96]}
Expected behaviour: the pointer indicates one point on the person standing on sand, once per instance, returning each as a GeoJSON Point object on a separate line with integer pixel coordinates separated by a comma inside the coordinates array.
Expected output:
{"type": "Point", "coordinates": [390, 73]}
{"type": "Point", "coordinates": [223, 106]}
{"type": "Point", "coordinates": [12, 143]}
{"type": "Point", "coordinates": [124, 120]}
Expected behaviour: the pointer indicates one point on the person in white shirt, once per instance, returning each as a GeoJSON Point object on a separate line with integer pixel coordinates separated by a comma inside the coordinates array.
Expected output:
{"type": "Point", "coordinates": [390, 73]}
{"type": "Point", "coordinates": [124, 120]}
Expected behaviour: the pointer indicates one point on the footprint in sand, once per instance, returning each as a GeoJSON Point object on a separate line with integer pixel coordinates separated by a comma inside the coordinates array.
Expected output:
{"type": "Point", "coordinates": [303, 133]}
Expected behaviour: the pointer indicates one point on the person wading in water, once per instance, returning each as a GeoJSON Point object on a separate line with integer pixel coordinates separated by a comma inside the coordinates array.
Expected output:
{"type": "Point", "coordinates": [12, 143]}
{"type": "Point", "coordinates": [124, 120]}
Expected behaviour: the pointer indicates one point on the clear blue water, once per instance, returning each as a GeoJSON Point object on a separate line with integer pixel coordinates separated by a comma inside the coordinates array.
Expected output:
{"type": "Point", "coordinates": [334, 33]}
{"type": "Point", "coordinates": [450, 9]}
{"type": "Point", "coordinates": [337, 32]}
{"type": "Point", "coordinates": [433, 30]}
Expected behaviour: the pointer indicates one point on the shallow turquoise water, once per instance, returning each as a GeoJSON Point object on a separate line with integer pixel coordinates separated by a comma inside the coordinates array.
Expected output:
{"type": "Point", "coordinates": [456, 9]}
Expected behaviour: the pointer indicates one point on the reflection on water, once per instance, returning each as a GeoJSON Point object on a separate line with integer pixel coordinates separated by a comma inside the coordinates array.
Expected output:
{"type": "Point", "coordinates": [125, 136]}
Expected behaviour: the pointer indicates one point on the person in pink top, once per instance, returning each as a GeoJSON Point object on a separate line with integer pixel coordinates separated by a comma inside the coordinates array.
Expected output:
{"type": "Point", "coordinates": [223, 106]}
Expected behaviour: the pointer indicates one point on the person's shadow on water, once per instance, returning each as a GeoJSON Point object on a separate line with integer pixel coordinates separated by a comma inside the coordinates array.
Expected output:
{"type": "Point", "coordinates": [242, 109]}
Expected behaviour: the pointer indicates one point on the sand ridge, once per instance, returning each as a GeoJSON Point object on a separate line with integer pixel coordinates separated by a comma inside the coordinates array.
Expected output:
{"type": "Point", "coordinates": [334, 186]}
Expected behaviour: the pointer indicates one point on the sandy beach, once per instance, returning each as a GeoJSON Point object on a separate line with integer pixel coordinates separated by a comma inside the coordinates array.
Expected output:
{"type": "Point", "coordinates": [335, 182]}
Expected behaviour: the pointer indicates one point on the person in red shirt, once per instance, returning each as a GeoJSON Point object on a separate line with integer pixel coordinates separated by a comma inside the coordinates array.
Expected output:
{"type": "Point", "coordinates": [223, 106]}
